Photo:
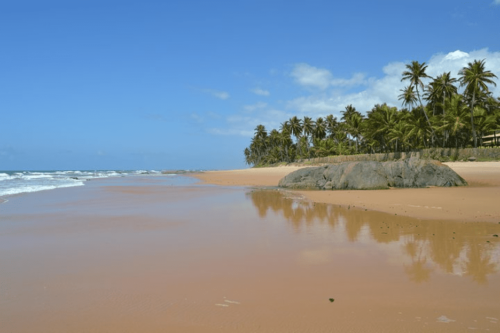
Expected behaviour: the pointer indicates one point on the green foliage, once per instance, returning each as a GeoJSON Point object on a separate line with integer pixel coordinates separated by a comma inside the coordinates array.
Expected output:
{"type": "Point", "coordinates": [455, 121]}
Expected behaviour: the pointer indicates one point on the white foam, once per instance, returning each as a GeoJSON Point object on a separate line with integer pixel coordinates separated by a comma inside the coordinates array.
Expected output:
{"type": "Point", "coordinates": [37, 176]}
{"type": "Point", "coordinates": [36, 188]}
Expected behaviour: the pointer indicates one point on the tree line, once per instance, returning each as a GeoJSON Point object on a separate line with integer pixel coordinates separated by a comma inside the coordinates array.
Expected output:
{"type": "Point", "coordinates": [432, 115]}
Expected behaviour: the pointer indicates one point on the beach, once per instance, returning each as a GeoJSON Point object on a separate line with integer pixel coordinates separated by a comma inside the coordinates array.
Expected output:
{"type": "Point", "coordinates": [476, 202]}
{"type": "Point", "coordinates": [168, 254]}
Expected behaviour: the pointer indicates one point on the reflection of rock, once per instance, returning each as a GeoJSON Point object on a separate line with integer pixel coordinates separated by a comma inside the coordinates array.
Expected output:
{"type": "Point", "coordinates": [457, 248]}
{"type": "Point", "coordinates": [412, 172]}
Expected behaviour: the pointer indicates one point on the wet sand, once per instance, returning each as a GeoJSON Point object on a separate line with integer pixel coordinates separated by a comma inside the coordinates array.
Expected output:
{"type": "Point", "coordinates": [146, 255]}
{"type": "Point", "coordinates": [476, 202]}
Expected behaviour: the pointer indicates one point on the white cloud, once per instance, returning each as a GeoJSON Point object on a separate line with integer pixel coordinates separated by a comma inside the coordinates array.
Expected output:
{"type": "Point", "coordinates": [496, 2]}
{"type": "Point", "coordinates": [244, 124]}
{"type": "Point", "coordinates": [387, 88]}
{"type": "Point", "coordinates": [218, 131]}
{"type": "Point", "coordinates": [218, 94]}
{"type": "Point", "coordinates": [253, 107]}
{"type": "Point", "coordinates": [356, 80]}
{"type": "Point", "coordinates": [196, 117]}
{"type": "Point", "coordinates": [332, 98]}
{"type": "Point", "coordinates": [309, 76]}
{"type": "Point", "coordinates": [260, 92]}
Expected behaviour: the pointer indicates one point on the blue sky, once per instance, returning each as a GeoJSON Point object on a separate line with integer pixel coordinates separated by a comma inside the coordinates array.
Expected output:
{"type": "Point", "coordinates": [119, 84]}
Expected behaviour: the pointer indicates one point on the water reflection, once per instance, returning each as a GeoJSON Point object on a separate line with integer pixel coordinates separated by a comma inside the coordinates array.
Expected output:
{"type": "Point", "coordinates": [458, 248]}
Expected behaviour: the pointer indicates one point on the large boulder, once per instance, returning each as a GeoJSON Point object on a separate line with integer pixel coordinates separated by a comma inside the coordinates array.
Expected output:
{"type": "Point", "coordinates": [411, 172]}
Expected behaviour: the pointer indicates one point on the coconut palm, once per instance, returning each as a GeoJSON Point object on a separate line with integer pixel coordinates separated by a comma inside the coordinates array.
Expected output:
{"type": "Point", "coordinates": [418, 129]}
{"type": "Point", "coordinates": [355, 124]}
{"type": "Point", "coordinates": [323, 148]}
{"type": "Point", "coordinates": [444, 84]}
{"type": "Point", "coordinates": [484, 123]}
{"type": "Point", "coordinates": [308, 129]}
{"type": "Point", "coordinates": [408, 97]}
{"type": "Point", "coordinates": [475, 78]}
{"type": "Point", "coordinates": [331, 125]}
{"type": "Point", "coordinates": [455, 118]}
{"type": "Point", "coordinates": [248, 156]}
{"type": "Point", "coordinates": [319, 129]}
{"type": "Point", "coordinates": [381, 119]}
{"type": "Point", "coordinates": [260, 131]}
{"type": "Point", "coordinates": [296, 129]}
{"type": "Point", "coordinates": [415, 73]}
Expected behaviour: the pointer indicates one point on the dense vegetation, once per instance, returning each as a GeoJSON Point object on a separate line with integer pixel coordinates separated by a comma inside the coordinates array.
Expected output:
{"type": "Point", "coordinates": [447, 119]}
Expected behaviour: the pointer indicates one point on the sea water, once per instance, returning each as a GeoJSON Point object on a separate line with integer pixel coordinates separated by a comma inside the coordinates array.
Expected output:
{"type": "Point", "coordinates": [16, 182]}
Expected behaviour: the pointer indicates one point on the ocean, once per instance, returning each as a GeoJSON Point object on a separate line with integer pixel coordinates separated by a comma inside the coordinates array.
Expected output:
{"type": "Point", "coordinates": [16, 182]}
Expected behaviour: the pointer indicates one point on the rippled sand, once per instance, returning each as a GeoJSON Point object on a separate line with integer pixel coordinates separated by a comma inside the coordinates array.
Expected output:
{"type": "Point", "coordinates": [138, 257]}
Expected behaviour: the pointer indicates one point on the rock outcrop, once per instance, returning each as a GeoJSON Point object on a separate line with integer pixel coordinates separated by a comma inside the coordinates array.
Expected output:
{"type": "Point", "coordinates": [411, 172]}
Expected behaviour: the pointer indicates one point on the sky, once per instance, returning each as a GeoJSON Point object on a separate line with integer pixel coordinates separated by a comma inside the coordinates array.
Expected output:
{"type": "Point", "coordinates": [129, 84]}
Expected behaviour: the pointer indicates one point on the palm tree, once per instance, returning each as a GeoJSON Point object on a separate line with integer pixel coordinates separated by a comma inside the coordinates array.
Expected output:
{"type": "Point", "coordinates": [331, 125]}
{"type": "Point", "coordinates": [408, 96]}
{"type": "Point", "coordinates": [484, 122]}
{"type": "Point", "coordinates": [444, 84]}
{"type": "Point", "coordinates": [347, 115]}
{"type": "Point", "coordinates": [308, 129]}
{"type": "Point", "coordinates": [324, 148]}
{"type": "Point", "coordinates": [381, 119]}
{"type": "Point", "coordinates": [355, 124]}
{"type": "Point", "coordinates": [260, 131]}
{"type": "Point", "coordinates": [475, 78]}
{"type": "Point", "coordinates": [248, 156]}
{"type": "Point", "coordinates": [455, 118]}
{"type": "Point", "coordinates": [285, 139]}
{"type": "Point", "coordinates": [319, 129]}
{"type": "Point", "coordinates": [296, 129]}
{"type": "Point", "coordinates": [415, 73]}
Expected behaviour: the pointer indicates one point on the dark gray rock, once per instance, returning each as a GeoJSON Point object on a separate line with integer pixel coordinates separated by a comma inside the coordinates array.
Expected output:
{"type": "Point", "coordinates": [411, 172]}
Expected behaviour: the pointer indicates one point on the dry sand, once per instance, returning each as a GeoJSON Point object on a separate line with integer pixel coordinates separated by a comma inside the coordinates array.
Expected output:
{"type": "Point", "coordinates": [477, 202]}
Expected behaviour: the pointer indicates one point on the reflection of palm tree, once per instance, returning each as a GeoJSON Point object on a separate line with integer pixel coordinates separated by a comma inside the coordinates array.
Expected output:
{"type": "Point", "coordinates": [427, 241]}
{"type": "Point", "coordinates": [418, 270]}
{"type": "Point", "coordinates": [478, 264]}
{"type": "Point", "coordinates": [353, 227]}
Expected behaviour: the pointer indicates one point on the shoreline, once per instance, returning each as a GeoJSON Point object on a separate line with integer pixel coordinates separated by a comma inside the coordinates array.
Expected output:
{"type": "Point", "coordinates": [477, 202]}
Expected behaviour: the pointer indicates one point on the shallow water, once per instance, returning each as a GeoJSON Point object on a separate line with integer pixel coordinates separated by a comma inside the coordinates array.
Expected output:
{"type": "Point", "coordinates": [118, 256]}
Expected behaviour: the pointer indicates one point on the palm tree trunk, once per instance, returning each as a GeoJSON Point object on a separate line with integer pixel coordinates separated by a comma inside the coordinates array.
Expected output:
{"type": "Point", "coordinates": [472, 119]}
{"type": "Point", "coordinates": [425, 113]}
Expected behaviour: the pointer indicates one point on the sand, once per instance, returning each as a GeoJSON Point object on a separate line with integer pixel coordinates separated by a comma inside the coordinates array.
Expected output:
{"type": "Point", "coordinates": [144, 255]}
{"type": "Point", "coordinates": [163, 254]}
{"type": "Point", "coordinates": [477, 202]}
